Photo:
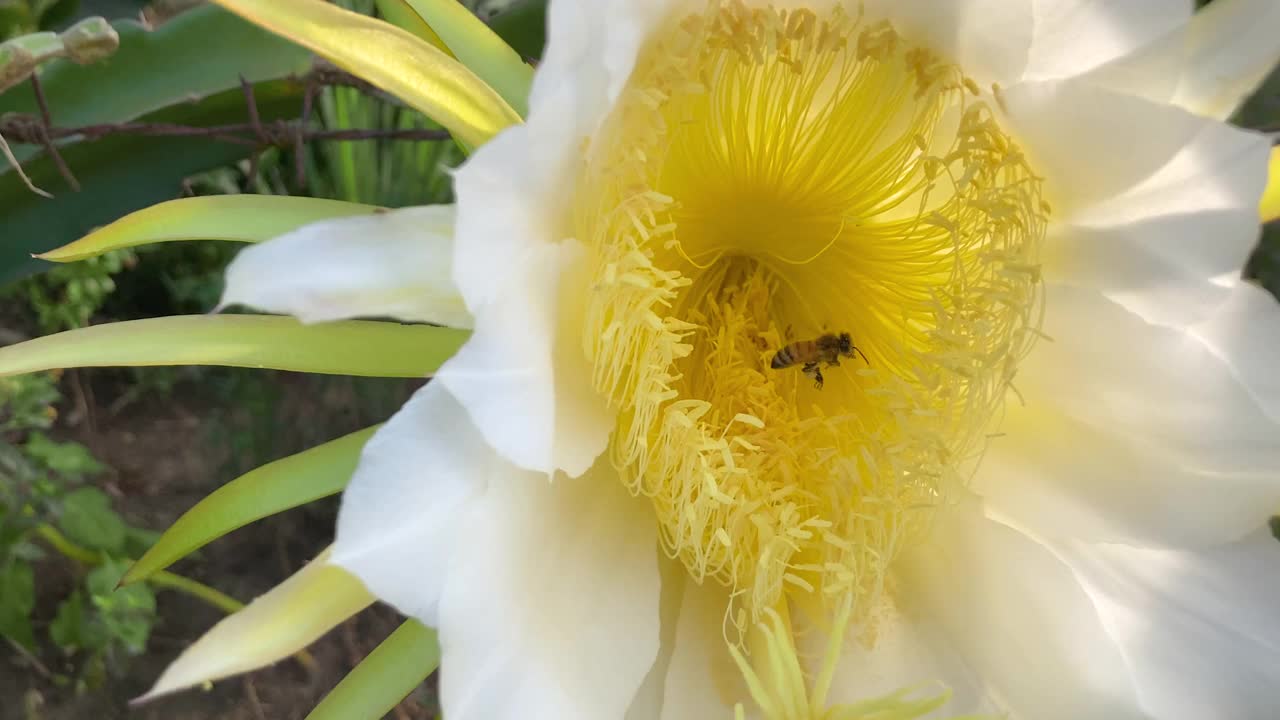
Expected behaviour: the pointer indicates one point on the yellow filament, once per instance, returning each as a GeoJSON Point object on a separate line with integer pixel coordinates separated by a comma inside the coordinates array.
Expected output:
{"type": "Point", "coordinates": [769, 176]}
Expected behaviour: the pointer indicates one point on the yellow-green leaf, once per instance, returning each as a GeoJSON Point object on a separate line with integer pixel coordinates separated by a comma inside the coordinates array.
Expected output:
{"type": "Point", "coordinates": [390, 58]}
{"type": "Point", "coordinates": [286, 619]}
{"type": "Point", "coordinates": [480, 49]}
{"type": "Point", "coordinates": [242, 218]}
{"type": "Point", "coordinates": [385, 677]}
{"type": "Point", "coordinates": [354, 347]}
{"type": "Point", "coordinates": [298, 479]}
{"type": "Point", "coordinates": [1270, 208]}
{"type": "Point", "coordinates": [398, 13]}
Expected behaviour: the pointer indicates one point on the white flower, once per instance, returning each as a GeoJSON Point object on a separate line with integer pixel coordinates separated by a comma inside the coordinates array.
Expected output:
{"type": "Point", "coordinates": [1044, 490]}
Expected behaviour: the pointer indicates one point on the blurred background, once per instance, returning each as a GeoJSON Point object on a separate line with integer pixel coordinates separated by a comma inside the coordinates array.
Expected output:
{"type": "Point", "coordinates": [94, 462]}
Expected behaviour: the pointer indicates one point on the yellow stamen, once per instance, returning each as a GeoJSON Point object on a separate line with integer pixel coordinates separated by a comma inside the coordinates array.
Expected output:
{"type": "Point", "coordinates": [770, 176]}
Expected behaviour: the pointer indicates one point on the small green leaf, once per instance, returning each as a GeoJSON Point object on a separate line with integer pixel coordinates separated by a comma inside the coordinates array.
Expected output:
{"type": "Point", "coordinates": [298, 479]}
{"type": "Point", "coordinates": [364, 348]}
{"type": "Point", "coordinates": [126, 613]}
{"type": "Point", "coordinates": [243, 218]}
{"type": "Point", "coordinates": [385, 677]}
{"type": "Point", "coordinates": [69, 459]}
{"type": "Point", "coordinates": [87, 518]}
{"type": "Point", "coordinates": [73, 628]}
{"type": "Point", "coordinates": [477, 47]}
{"type": "Point", "coordinates": [17, 599]}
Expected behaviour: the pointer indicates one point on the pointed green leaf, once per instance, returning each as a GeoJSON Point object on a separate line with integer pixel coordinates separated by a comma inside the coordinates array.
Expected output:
{"type": "Point", "coordinates": [275, 487]}
{"type": "Point", "coordinates": [243, 218]}
{"type": "Point", "coordinates": [398, 13]}
{"type": "Point", "coordinates": [355, 347]}
{"type": "Point", "coordinates": [392, 59]}
{"type": "Point", "coordinates": [480, 49]}
{"type": "Point", "coordinates": [385, 677]}
{"type": "Point", "coordinates": [289, 617]}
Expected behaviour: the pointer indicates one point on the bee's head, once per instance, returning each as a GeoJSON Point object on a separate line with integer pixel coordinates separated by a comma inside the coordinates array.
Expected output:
{"type": "Point", "coordinates": [846, 344]}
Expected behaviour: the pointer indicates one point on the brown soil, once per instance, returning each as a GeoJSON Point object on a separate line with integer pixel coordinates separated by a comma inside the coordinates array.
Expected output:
{"type": "Point", "coordinates": [166, 452]}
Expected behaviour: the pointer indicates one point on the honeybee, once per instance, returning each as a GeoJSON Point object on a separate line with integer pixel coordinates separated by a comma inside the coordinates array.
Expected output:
{"type": "Point", "coordinates": [813, 354]}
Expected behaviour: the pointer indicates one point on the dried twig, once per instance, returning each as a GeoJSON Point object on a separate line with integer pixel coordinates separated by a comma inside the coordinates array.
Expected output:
{"type": "Point", "coordinates": [46, 122]}
{"type": "Point", "coordinates": [256, 135]}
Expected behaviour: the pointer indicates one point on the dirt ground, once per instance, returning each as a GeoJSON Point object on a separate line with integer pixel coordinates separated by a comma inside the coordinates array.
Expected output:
{"type": "Point", "coordinates": [166, 452]}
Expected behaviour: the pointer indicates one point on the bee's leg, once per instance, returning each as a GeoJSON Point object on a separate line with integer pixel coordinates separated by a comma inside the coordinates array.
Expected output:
{"type": "Point", "coordinates": [815, 372]}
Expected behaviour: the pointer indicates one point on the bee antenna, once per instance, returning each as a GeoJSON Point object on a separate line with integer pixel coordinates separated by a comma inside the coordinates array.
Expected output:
{"type": "Point", "coordinates": [864, 355]}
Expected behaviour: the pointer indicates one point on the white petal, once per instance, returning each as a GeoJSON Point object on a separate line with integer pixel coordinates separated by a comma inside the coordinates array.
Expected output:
{"type": "Point", "coordinates": [1155, 247]}
{"type": "Point", "coordinates": [523, 377]}
{"type": "Point", "coordinates": [1072, 36]}
{"type": "Point", "coordinates": [284, 620]}
{"type": "Point", "coordinates": [1091, 143]}
{"type": "Point", "coordinates": [702, 680]}
{"type": "Point", "coordinates": [1017, 616]}
{"type": "Point", "coordinates": [1209, 65]}
{"type": "Point", "coordinates": [550, 607]}
{"type": "Point", "coordinates": [395, 264]}
{"type": "Point", "coordinates": [512, 193]}
{"type": "Point", "coordinates": [1244, 334]}
{"type": "Point", "coordinates": [1152, 387]}
{"type": "Point", "coordinates": [1199, 629]}
{"type": "Point", "coordinates": [402, 513]}
{"type": "Point", "coordinates": [1063, 478]}
{"type": "Point", "coordinates": [903, 656]}
{"type": "Point", "coordinates": [988, 39]}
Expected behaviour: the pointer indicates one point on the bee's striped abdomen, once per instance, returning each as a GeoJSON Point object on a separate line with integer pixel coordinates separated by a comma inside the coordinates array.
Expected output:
{"type": "Point", "coordinates": [783, 358]}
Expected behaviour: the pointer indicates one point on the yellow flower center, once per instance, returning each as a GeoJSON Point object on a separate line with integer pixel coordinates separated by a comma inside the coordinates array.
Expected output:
{"type": "Point", "coordinates": [769, 180]}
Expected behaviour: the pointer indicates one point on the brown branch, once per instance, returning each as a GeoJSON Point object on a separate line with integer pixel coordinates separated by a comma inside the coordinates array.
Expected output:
{"type": "Point", "coordinates": [256, 135]}
{"type": "Point", "coordinates": [46, 122]}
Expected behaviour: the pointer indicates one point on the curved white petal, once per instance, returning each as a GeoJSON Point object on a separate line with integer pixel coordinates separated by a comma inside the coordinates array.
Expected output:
{"type": "Point", "coordinates": [1210, 65]}
{"type": "Point", "coordinates": [1064, 478]}
{"type": "Point", "coordinates": [1155, 388]}
{"type": "Point", "coordinates": [1073, 36]}
{"type": "Point", "coordinates": [1016, 615]}
{"type": "Point", "coordinates": [1154, 247]}
{"type": "Point", "coordinates": [523, 377]}
{"type": "Point", "coordinates": [1244, 334]}
{"type": "Point", "coordinates": [1199, 629]}
{"type": "Point", "coordinates": [1091, 143]}
{"type": "Point", "coordinates": [550, 606]}
{"type": "Point", "coordinates": [403, 509]}
{"type": "Point", "coordinates": [702, 680]}
{"type": "Point", "coordinates": [397, 264]}
{"type": "Point", "coordinates": [284, 620]}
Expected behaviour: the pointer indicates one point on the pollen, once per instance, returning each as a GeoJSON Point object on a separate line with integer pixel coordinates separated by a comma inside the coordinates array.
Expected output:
{"type": "Point", "coordinates": [769, 177]}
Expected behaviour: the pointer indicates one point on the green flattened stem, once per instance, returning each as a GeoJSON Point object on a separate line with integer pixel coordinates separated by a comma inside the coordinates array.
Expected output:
{"type": "Point", "coordinates": [392, 59]}
{"type": "Point", "coordinates": [385, 677]}
{"type": "Point", "coordinates": [287, 483]}
{"type": "Point", "coordinates": [242, 218]}
{"type": "Point", "coordinates": [355, 347]}
{"type": "Point", "coordinates": [479, 48]}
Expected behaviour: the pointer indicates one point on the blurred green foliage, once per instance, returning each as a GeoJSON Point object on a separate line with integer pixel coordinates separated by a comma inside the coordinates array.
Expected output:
{"type": "Point", "coordinates": [46, 505]}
